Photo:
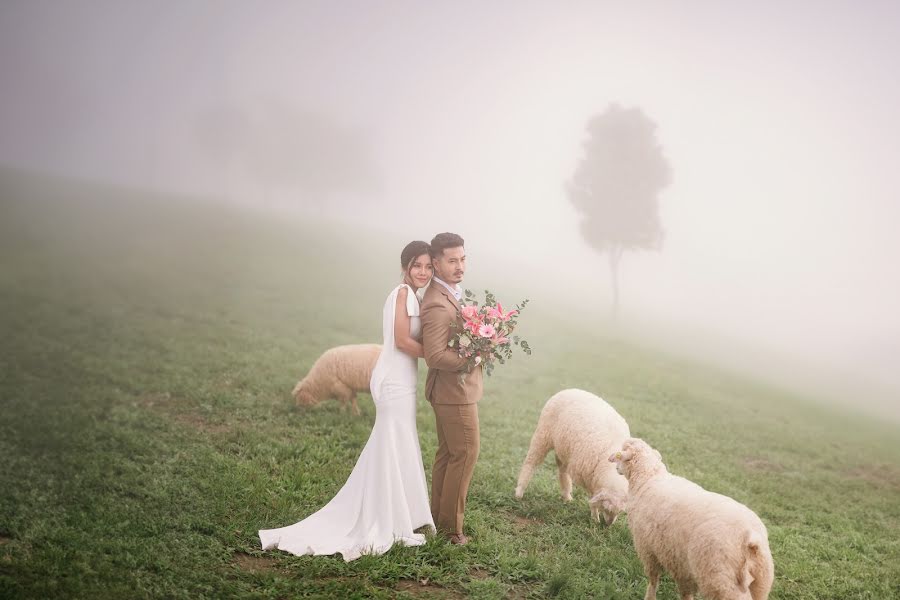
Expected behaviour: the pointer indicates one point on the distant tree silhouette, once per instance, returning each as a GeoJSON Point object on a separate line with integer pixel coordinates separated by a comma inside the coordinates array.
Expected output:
{"type": "Point", "coordinates": [616, 185]}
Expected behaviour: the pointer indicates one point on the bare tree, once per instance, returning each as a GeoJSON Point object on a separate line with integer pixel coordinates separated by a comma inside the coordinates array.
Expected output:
{"type": "Point", "coordinates": [616, 185]}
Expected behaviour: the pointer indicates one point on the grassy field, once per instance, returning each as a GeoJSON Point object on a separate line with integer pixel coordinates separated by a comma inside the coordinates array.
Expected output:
{"type": "Point", "coordinates": [147, 432]}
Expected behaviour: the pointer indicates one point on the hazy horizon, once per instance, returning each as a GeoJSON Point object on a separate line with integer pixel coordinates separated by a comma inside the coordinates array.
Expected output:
{"type": "Point", "coordinates": [779, 123]}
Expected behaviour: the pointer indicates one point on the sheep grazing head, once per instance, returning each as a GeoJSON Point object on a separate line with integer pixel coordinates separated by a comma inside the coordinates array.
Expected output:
{"type": "Point", "coordinates": [302, 395]}
{"type": "Point", "coordinates": [609, 503]}
{"type": "Point", "coordinates": [636, 454]}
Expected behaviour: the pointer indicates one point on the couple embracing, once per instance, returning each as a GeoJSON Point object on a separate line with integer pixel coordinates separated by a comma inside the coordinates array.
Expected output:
{"type": "Point", "coordinates": [385, 499]}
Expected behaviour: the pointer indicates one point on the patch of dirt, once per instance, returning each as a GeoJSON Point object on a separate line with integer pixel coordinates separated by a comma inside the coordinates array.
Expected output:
{"type": "Point", "coordinates": [427, 590]}
{"type": "Point", "coordinates": [201, 424]}
{"type": "Point", "coordinates": [4, 540]}
{"type": "Point", "coordinates": [478, 573]}
{"type": "Point", "coordinates": [517, 593]}
{"type": "Point", "coordinates": [255, 564]}
{"type": "Point", "coordinates": [228, 381]}
{"type": "Point", "coordinates": [164, 402]}
{"type": "Point", "coordinates": [154, 400]}
{"type": "Point", "coordinates": [762, 464]}
{"type": "Point", "coordinates": [878, 474]}
{"type": "Point", "coordinates": [522, 522]}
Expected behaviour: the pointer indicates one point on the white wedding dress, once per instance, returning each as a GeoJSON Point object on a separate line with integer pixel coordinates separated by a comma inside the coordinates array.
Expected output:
{"type": "Point", "coordinates": [385, 498]}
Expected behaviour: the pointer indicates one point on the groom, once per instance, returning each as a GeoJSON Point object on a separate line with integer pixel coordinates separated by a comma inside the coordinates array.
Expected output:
{"type": "Point", "coordinates": [455, 404]}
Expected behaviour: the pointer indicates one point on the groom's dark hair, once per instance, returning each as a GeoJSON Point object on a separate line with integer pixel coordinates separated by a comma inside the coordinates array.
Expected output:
{"type": "Point", "coordinates": [442, 241]}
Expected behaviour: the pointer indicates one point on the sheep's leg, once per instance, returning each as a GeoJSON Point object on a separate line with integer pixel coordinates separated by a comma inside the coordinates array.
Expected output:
{"type": "Point", "coordinates": [652, 569]}
{"type": "Point", "coordinates": [595, 511]}
{"type": "Point", "coordinates": [720, 595]}
{"type": "Point", "coordinates": [537, 451]}
{"type": "Point", "coordinates": [565, 480]}
{"type": "Point", "coordinates": [355, 406]}
{"type": "Point", "coordinates": [686, 589]}
{"type": "Point", "coordinates": [344, 394]}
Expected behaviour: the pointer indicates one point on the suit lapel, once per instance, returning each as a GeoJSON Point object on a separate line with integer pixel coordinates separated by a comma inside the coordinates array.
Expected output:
{"type": "Point", "coordinates": [449, 295]}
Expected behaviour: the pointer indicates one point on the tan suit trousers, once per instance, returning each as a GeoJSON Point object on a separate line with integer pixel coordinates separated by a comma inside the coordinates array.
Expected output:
{"type": "Point", "coordinates": [454, 462]}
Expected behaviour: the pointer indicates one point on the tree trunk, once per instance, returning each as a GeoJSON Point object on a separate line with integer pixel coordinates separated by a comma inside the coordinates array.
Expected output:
{"type": "Point", "coordinates": [615, 254]}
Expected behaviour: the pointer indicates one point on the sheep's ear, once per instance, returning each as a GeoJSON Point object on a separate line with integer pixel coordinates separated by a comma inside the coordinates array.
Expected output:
{"type": "Point", "coordinates": [621, 456]}
{"type": "Point", "coordinates": [599, 497]}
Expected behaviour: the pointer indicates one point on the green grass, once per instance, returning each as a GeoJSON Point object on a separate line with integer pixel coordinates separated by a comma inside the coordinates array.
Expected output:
{"type": "Point", "coordinates": [147, 433]}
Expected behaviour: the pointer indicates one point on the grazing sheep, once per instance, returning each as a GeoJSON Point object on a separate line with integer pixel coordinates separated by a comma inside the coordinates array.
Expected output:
{"type": "Point", "coordinates": [709, 543]}
{"type": "Point", "coordinates": [339, 373]}
{"type": "Point", "coordinates": [582, 430]}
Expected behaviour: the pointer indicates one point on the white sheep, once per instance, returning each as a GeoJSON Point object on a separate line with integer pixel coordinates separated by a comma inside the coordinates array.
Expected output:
{"type": "Point", "coordinates": [339, 373]}
{"type": "Point", "coordinates": [582, 430]}
{"type": "Point", "coordinates": [708, 542]}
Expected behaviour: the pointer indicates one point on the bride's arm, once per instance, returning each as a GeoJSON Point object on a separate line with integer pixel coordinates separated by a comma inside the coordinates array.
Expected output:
{"type": "Point", "coordinates": [402, 339]}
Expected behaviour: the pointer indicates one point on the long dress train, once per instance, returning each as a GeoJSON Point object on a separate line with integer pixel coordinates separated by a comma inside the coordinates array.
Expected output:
{"type": "Point", "coordinates": [385, 498]}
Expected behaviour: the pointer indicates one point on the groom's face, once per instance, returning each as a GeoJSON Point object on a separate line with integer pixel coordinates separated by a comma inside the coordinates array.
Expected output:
{"type": "Point", "coordinates": [450, 265]}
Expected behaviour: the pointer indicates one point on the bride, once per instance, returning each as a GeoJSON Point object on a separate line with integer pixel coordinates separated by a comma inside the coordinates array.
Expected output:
{"type": "Point", "coordinates": [385, 498]}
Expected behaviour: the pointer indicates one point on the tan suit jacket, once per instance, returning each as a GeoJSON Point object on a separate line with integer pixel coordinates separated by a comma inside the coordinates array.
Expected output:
{"type": "Point", "coordinates": [442, 386]}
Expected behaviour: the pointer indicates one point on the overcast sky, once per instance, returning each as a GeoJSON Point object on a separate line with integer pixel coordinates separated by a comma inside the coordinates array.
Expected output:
{"type": "Point", "coordinates": [779, 120]}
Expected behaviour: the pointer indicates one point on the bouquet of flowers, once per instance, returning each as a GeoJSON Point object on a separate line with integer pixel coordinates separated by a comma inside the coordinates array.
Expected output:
{"type": "Point", "coordinates": [486, 335]}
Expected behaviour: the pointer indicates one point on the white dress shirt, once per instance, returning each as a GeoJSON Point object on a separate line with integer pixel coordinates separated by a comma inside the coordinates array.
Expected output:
{"type": "Point", "coordinates": [455, 290]}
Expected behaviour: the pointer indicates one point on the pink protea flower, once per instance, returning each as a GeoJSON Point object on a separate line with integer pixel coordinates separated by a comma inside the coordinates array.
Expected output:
{"type": "Point", "coordinates": [469, 312]}
{"type": "Point", "coordinates": [487, 331]}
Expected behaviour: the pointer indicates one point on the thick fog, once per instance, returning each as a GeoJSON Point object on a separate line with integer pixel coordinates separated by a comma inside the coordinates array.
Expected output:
{"type": "Point", "coordinates": [778, 122]}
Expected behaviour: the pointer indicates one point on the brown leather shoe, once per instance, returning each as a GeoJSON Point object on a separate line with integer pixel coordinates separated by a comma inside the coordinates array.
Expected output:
{"type": "Point", "coordinates": [458, 539]}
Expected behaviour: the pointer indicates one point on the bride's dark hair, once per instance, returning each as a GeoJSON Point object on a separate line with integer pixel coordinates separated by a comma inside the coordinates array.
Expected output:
{"type": "Point", "coordinates": [412, 251]}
